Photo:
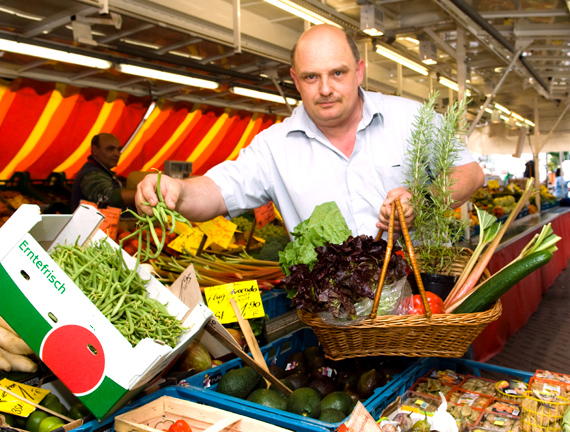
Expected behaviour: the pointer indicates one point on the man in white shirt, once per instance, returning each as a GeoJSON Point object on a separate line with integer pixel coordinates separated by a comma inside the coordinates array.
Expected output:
{"type": "Point", "coordinates": [342, 144]}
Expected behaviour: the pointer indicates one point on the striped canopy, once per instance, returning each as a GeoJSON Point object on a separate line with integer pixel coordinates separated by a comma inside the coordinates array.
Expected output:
{"type": "Point", "coordinates": [47, 127]}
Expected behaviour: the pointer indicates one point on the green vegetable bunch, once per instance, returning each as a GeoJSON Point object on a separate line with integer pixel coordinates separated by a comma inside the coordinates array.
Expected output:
{"type": "Point", "coordinates": [100, 271]}
{"type": "Point", "coordinates": [325, 225]}
{"type": "Point", "coordinates": [432, 152]}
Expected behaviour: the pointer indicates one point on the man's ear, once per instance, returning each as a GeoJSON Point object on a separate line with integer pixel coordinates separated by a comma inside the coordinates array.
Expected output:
{"type": "Point", "coordinates": [360, 71]}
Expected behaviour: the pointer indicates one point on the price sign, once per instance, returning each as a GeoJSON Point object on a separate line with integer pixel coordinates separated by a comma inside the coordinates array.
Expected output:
{"type": "Point", "coordinates": [246, 295]}
{"type": "Point", "coordinates": [189, 239]}
{"type": "Point", "coordinates": [264, 214]}
{"type": "Point", "coordinates": [12, 405]}
{"type": "Point", "coordinates": [219, 230]}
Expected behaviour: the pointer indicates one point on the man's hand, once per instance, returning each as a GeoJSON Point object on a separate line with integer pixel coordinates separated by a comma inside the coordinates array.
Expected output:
{"type": "Point", "coordinates": [146, 193]}
{"type": "Point", "coordinates": [384, 217]}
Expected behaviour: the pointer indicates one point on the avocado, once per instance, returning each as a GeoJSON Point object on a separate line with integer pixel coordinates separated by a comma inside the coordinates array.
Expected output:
{"type": "Point", "coordinates": [347, 379]}
{"type": "Point", "coordinates": [338, 400]}
{"type": "Point", "coordinates": [297, 380]}
{"type": "Point", "coordinates": [323, 384]}
{"type": "Point", "coordinates": [239, 382]}
{"type": "Point", "coordinates": [279, 392]}
{"type": "Point", "coordinates": [268, 398]}
{"type": "Point", "coordinates": [330, 415]}
{"type": "Point", "coordinates": [367, 382]}
{"type": "Point", "coordinates": [312, 351]}
{"type": "Point", "coordinates": [305, 401]}
{"type": "Point", "coordinates": [276, 371]}
{"type": "Point", "coordinates": [315, 362]}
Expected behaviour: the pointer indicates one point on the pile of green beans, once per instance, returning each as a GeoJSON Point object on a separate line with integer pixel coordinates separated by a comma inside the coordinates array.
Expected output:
{"type": "Point", "coordinates": [100, 271]}
{"type": "Point", "coordinates": [163, 216]}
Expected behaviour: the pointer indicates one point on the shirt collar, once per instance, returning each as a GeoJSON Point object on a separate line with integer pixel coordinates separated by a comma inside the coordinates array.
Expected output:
{"type": "Point", "coordinates": [301, 122]}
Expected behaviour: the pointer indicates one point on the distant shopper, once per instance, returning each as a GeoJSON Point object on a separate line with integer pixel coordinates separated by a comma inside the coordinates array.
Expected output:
{"type": "Point", "coordinates": [96, 182]}
{"type": "Point", "coordinates": [529, 169]}
{"type": "Point", "coordinates": [561, 188]}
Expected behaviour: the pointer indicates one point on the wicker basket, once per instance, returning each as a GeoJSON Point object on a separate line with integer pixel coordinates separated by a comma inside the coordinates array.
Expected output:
{"type": "Point", "coordinates": [444, 335]}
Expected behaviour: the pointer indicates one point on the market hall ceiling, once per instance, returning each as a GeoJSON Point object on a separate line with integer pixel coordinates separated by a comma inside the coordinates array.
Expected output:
{"type": "Point", "coordinates": [246, 43]}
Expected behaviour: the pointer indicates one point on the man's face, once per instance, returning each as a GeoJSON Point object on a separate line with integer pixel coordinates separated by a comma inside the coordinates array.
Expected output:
{"type": "Point", "coordinates": [108, 151]}
{"type": "Point", "coordinates": [327, 76]}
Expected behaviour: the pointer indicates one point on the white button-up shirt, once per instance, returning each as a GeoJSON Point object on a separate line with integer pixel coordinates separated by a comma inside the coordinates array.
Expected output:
{"type": "Point", "coordinates": [294, 165]}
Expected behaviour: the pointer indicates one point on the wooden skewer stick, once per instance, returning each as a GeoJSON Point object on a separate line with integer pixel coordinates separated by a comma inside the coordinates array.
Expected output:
{"type": "Point", "coordinates": [379, 235]}
{"type": "Point", "coordinates": [250, 338]}
{"type": "Point", "coordinates": [412, 255]}
{"type": "Point", "coordinates": [43, 408]}
{"type": "Point", "coordinates": [386, 262]}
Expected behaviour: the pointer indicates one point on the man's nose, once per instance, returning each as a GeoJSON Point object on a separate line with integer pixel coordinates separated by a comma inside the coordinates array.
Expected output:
{"type": "Point", "coordinates": [325, 88]}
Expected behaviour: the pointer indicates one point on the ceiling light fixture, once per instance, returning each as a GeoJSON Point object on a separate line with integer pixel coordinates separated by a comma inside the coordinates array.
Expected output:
{"type": "Point", "coordinates": [301, 12]}
{"type": "Point", "coordinates": [452, 85]}
{"type": "Point", "coordinates": [371, 20]}
{"type": "Point", "coordinates": [53, 54]}
{"type": "Point", "coordinates": [518, 117]}
{"type": "Point", "coordinates": [242, 91]}
{"type": "Point", "coordinates": [528, 122]}
{"type": "Point", "coordinates": [401, 59]}
{"type": "Point", "coordinates": [428, 52]}
{"type": "Point", "coordinates": [166, 76]}
{"type": "Point", "coordinates": [502, 108]}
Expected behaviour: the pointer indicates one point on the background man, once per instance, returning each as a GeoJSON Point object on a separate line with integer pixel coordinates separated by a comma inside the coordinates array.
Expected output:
{"type": "Point", "coordinates": [96, 182]}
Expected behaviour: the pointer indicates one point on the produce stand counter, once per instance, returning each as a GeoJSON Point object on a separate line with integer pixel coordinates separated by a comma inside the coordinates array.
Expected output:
{"type": "Point", "coordinates": [522, 300]}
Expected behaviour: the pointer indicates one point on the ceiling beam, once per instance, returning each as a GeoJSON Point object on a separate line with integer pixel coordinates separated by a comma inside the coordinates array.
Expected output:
{"type": "Point", "coordinates": [57, 20]}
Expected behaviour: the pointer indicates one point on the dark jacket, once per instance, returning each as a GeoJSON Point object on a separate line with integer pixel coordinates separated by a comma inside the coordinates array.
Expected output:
{"type": "Point", "coordinates": [97, 184]}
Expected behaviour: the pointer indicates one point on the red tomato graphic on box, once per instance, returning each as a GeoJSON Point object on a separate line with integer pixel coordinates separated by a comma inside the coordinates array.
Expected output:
{"type": "Point", "coordinates": [75, 355]}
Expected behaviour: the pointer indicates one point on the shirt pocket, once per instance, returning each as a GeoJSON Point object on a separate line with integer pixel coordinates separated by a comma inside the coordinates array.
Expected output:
{"type": "Point", "coordinates": [391, 176]}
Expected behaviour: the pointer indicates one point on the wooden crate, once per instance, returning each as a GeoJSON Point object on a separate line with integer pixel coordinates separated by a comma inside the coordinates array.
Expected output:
{"type": "Point", "coordinates": [161, 413]}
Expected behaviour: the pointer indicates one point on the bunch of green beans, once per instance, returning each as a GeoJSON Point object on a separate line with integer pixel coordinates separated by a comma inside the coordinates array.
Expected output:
{"type": "Point", "coordinates": [100, 271]}
{"type": "Point", "coordinates": [162, 216]}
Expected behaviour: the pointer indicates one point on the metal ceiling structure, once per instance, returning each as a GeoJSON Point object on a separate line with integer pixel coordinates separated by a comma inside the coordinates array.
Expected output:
{"type": "Point", "coordinates": [247, 43]}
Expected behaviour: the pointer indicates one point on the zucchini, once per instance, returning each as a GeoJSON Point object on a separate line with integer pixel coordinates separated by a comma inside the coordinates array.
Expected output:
{"type": "Point", "coordinates": [493, 288]}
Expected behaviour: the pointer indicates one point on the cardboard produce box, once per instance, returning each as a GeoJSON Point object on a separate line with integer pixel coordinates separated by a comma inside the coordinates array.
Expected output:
{"type": "Point", "coordinates": [64, 328]}
{"type": "Point", "coordinates": [161, 413]}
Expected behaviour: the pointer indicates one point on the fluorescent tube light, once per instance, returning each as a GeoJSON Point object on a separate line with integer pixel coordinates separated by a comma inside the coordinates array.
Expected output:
{"type": "Point", "coordinates": [301, 12]}
{"type": "Point", "coordinates": [262, 95]}
{"type": "Point", "coordinates": [401, 59]}
{"type": "Point", "coordinates": [487, 110]}
{"type": "Point", "coordinates": [528, 122]}
{"type": "Point", "coordinates": [506, 119]}
{"type": "Point", "coordinates": [53, 54]}
{"type": "Point", "coordinates": [452, 85]}
{"type": "Point", "coordinates": [502, 108]}
{"type": "Point", "coordinates": [518, 117]}
{"type": "Point", "coordinates": [167, 76]}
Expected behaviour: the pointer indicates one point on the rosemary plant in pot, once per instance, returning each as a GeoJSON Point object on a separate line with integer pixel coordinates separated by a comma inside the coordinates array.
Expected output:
{"type": "Point", "coordinates": [432, 152]}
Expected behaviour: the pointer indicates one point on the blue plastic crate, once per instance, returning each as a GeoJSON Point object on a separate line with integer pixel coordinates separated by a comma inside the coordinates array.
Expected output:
{"type": "Point", "coordinates": [202, 387]}
{"type": "Point", "coordinates": [400, 386]}
{"type": "Point", "coordinates": [275, 302]}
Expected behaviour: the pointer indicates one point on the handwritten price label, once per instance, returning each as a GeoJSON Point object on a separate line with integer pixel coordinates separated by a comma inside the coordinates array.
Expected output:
{"type": "Point", "coordinates": [264, 214]}
{"type": "Point", "coordinates": [219, 230]}
{"type": "Point", "coordinates": [12, 405]}
{"type": "Point", "coordinates": [189, 239]}
{"type": "Point", "coordinates": [247, 297]}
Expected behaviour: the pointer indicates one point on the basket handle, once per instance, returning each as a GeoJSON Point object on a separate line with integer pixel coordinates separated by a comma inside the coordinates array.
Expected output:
{"type": "Point", "coordinates": [411, 254]}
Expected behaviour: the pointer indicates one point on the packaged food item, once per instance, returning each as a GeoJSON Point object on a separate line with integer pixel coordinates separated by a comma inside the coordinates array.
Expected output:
{"type": "Point", "coordinates": [498, 422]}
{"type": "Point", "coordinates": [543, 411]}
{"type": "Point", "coordinates": [463, 413]}
{"type": "Point", "coordinates": [474, 400]}
{"type": "Point", "coordinates": [446, 377]}
{"type": "Point", "coordinates": [416, 402]}
{"type": "Point", "coordinates": [511, 390]}
{"type": "Point", "coordinates": [431, 387]}
{"type": "Point", "coordinates": [504, 407]}
{"type": "Point", "coordinates": [479, 385]}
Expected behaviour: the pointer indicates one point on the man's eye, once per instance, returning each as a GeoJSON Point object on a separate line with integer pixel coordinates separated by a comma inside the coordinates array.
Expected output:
{"type": "Point", "coordinates": [338, 73]}
{"type": "Point", "coordinates": [310, 77]}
